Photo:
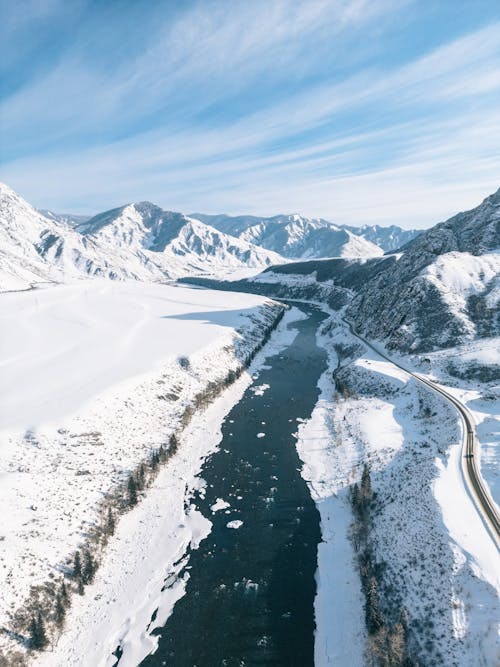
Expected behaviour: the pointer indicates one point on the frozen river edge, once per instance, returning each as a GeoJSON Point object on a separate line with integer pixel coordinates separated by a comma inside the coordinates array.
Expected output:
{"type": "Point", "coordinates": [130, 583]}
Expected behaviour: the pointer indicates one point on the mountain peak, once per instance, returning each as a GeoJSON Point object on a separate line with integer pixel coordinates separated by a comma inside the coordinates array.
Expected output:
{"type": "Point", "coordinates": [147, 208]}
{"type": "Point", "coordinates": [493, 198]}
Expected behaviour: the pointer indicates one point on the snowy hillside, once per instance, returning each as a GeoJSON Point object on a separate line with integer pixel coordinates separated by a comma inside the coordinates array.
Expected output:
{"type": "Point", "coordinates": [443, 289]}
{"type": "Point", "coordinates": [295, 236]}
{"type": "Point", "coordinates": [440, 290]}
{"type": "Point", "coordinates": [172, 243]}
{"type": "Point", "coordinates": [36, 249]}
{"type": "Point", "coordinates": [25, 237]}
{"type": "Point", "coordinates": [423, 546]}
{"type": "Point", "coordinates": [137, 241]}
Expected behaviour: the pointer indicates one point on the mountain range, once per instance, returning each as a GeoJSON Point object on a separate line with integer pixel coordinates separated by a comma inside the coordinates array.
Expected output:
{"type": "Point", "coordinates": [295, 236]}
{"type": "Point", "coordinates": [137, 241]}
{"type": "Point", "coordinates": [445, 286]}
{"type": "Point", "coordinates": [440, 289]}
{"type": "Point", "coordinates": [441, 286]}
{"type": "Point", "coordinates": [144, 242]}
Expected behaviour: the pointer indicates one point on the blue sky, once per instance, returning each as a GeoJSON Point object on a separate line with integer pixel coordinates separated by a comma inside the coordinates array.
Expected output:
{"type": "Point", "coordinates": [359, 111]}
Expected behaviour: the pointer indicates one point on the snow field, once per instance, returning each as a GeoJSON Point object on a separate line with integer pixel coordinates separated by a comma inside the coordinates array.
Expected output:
{"type": "Point", "coordinates": [98, 424]}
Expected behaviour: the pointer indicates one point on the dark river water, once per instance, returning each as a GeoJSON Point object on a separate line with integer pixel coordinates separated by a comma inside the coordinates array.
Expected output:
{"type": "Point", "coordinates": [249, 598]}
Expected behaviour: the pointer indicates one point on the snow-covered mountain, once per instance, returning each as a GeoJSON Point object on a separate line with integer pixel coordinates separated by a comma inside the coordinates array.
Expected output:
{"type": "Point", "coordinates": [443, 289]}
{"type": "Point", "coordinates": [175, 244]}
{"type": "Point", "coordinates": [136, 241]}
{"type": "Point", "coordinates": [295, 236]}
{"type": "Point", "coordinates": [440, 290]}
{"type": "Point", "coordinates": [69, 219]}
{"type": "Point", "coordinates": [28, 240]}
{"type": "Point", "coordinates": [388, 238]}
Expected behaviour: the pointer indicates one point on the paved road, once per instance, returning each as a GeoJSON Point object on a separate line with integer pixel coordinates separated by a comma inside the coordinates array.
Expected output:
{"type": "Point", "coordinates": [472, 475]}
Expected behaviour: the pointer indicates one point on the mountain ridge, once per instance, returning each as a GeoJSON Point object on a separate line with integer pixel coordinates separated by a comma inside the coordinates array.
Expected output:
{"type": "Point", "coordinates": [388, 239]}
{"type": "Point", "coordinates": [116, 244]}
{"type": "Point", "coordinates": [440, 290]}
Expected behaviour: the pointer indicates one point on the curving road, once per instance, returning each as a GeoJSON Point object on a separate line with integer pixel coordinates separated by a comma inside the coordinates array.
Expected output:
{"type": "Point", "coordinates": [472, 475]}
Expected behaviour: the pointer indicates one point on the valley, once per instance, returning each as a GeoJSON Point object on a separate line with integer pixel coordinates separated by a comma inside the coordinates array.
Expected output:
{"type": "Point", "coordinates": [216, 452]}
{"type": "Point", "coordinates": [250, 333]}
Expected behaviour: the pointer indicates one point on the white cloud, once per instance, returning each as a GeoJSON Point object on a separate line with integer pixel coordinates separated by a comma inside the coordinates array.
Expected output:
{"type": "Point", "coordinates": [420, 132]}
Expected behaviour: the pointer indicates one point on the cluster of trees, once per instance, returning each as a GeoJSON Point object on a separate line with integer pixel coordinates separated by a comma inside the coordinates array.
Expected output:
{"type": "Point", "coordinates": [84, 569]}
{"type": "Point", "coordinates": [38, 635]}
{"type": "Point", "coordinates": [49, 604]}
{"type": "Point", "coordinates": [341, 386]}
{"type": "Point", "coordinates": [145, 473]}
{"type": "Point", "coordinates": [387, 642]}
{"type": "Point", "coordinates": [265, 337]}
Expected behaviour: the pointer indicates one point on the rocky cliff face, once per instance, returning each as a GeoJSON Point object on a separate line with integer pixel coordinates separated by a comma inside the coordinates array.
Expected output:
{"type": "Point", "coordinates": [443, 288]}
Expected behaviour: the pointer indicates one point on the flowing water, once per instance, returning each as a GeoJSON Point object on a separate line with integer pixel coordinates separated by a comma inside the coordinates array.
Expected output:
{"type": "Point", "coordinates": [249, 598]}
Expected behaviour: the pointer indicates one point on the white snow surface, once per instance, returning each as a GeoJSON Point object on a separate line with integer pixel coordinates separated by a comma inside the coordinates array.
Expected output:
{"type": "Point", "coordinates": [61, 347]}
{"type": "Point", "coordinates": [146, 554]}
{"type": "Point", "coordinates": [411, 439]}
{"type": "Point", "coordinates": [458, 275]}
{"type": "Point", "coordinates": [220, 504]}
{"type": "Point", "coordinates": [259, 390]}
{"type": "Point", "coordinates": [88, 401]}
{"type": "Point", "coordinates": [471, 372]}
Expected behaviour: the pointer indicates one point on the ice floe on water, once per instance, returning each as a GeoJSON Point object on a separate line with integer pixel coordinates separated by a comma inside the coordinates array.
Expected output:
{"type": "Point", "coordinates": [260, 389]}
{"type": "Point", "coordinates": [219, 504]}
{"type": "Point", "coordinates": [236, 523]}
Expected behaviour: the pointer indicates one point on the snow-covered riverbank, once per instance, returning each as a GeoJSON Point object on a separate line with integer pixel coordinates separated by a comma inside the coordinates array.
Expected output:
{"type": "Point", "coordinates": [138, 576]}
{"type": "Point", "coordinates": [121, 362]}
{"type": "Point", "coordinates": [378, 415]}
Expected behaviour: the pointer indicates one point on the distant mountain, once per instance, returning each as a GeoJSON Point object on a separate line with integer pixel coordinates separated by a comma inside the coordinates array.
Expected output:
{"type": "Point", "coordinates": [442, 288]}
{"type": "Point", "coordinates": [136, 241]}
{"type": "Point", "coordinates": [297, 237]}
{"type": "Point", "coordinates": [173, 242]}
{"type": "Point", "coordinates": [388, 238]}
{"type": "Point", "coordinates": [68, 219]}
{"type": "Point", "coordinates": [294, 236]}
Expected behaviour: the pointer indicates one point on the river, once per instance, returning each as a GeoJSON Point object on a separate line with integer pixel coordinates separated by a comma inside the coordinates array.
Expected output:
{"type": "Point", "coordinates": [250, 594]}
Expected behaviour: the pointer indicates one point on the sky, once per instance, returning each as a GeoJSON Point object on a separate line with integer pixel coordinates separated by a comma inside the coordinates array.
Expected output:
{"type": "Point", "coordinates": [357, 111]}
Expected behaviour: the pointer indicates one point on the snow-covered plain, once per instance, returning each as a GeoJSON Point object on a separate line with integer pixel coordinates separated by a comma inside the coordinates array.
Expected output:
{"type": "Point", "coordinates": [97, 375]}
{"type": "Point", "coordinates": [439, 560]}
{"type": "Point", "coordinates": [62, 346]}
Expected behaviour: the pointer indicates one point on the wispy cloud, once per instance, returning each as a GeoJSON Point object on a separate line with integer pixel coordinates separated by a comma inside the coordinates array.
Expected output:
{"type": "Point", "coordinates": [265, 107]}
